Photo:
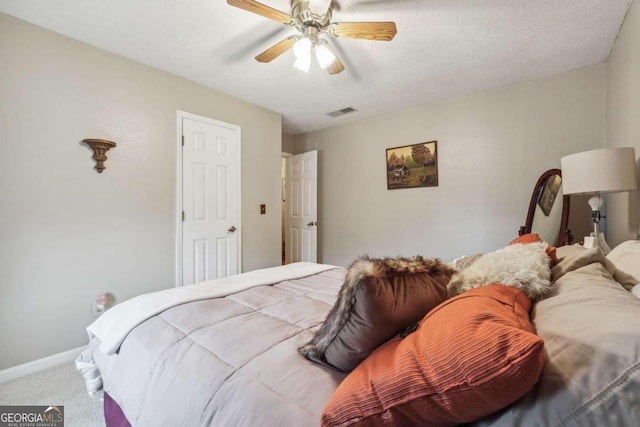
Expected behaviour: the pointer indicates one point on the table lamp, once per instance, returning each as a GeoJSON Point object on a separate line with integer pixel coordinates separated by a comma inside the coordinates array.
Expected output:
{"type": "Point", "coordinates": [608, 170]}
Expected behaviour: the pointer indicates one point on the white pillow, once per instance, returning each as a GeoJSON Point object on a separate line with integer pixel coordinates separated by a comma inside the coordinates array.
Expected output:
{"type": "Point", "coordinates": [626, 257]}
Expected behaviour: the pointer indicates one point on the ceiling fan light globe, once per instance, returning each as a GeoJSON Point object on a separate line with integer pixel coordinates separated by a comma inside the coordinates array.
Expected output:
{"type": "Point", "coordinates": [302, 48]}
{"type": "Point", "coordinates": [324, 56]}
{"type": "Point", "coordinates": [303, 64]}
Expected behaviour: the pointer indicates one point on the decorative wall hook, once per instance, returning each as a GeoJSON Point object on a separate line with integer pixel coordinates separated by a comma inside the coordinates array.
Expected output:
{"type": "Point", "coordinates": [100, 148]}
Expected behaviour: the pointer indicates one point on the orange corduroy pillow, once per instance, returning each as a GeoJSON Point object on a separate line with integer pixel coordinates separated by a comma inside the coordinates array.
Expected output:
{"type": "Point", "coordinates": [470, 356]}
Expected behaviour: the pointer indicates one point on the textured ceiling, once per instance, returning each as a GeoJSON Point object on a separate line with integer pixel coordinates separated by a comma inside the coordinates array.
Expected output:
{"type": "Point", "coordinates": [444, 48]}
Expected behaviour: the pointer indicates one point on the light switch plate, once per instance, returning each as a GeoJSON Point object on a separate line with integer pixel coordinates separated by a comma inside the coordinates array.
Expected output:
{"type": "Point", "coordinates": [263, 209]}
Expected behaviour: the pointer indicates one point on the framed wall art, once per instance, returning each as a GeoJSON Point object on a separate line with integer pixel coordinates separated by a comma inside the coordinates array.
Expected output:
{"type": "Point", "coordinates": [412, 166]}
{"type": "Point", "coordinates": [549, 193]}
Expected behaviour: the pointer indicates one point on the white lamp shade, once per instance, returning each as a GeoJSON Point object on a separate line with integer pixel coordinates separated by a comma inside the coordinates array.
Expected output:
{"type": "Point", "coordinates": [607, 170]}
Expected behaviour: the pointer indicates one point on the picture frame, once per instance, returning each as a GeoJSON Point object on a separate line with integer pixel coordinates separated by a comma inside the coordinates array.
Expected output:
{"type": "Point", "coordinates": [411, 166]}
{"type": "Point", "coordinates": [548, 194]}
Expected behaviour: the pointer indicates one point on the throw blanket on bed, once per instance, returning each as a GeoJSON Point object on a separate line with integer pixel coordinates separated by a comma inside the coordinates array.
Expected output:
{"type": "Point", "coordinates": [114, 325]}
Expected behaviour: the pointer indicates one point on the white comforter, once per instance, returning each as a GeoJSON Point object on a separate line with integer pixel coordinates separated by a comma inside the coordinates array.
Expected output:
{"type": "Point", "coordinates": [224, 361]}
{"type": "Point", "coordinates": [114, 325]}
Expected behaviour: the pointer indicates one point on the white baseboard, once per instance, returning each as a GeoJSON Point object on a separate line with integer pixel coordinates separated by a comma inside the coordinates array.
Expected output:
{"type": "Point", "coordinates": [39, 365]}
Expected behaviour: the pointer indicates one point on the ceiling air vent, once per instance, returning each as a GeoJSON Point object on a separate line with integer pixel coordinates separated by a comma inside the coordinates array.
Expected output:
{"type": "Point", "coordinates": [341, 112]}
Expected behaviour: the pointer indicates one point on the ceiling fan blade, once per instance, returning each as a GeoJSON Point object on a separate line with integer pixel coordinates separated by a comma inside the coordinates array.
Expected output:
{"type": "Point", "coordinates": [261, 9]}
{"type": "Point", "coordinates": [382, 31]}
{"type": "Point", "coordinates": [276, 50]}
{"type": "Point", "coordinates": [336, 67]}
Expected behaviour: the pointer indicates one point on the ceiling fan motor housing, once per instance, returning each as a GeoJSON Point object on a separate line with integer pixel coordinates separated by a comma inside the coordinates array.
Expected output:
{"type": "Point", "coordinates": [304, 17]}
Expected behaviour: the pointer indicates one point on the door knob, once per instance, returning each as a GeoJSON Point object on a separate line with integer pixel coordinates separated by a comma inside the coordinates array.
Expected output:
{"type": "Point", "coordinates": [232, 229]}
{"type": "Point", "coordinates": [312, 223]}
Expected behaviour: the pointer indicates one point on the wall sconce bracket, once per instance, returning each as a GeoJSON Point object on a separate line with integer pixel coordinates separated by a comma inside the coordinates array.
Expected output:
{"type": "Point", "coordinates": [100, 148]}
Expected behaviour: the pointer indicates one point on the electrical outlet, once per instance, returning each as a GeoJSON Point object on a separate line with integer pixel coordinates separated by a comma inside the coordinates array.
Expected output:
{"type": "Point", "coordinates": [263, 209]}
{"type": "Point", "coordinates": [98, 309]}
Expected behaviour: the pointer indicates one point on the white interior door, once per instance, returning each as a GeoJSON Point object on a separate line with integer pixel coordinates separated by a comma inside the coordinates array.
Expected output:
{"type": "Point", "coordinates": [210, 200]}
{"type": "Point", "coordinates": [302, 205]}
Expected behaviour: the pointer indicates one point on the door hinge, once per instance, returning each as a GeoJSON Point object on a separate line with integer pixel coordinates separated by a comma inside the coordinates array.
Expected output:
{"type": "Point", "coordinates": [183, 140]}
{"type": "Point", "coordinates": [182, 216]}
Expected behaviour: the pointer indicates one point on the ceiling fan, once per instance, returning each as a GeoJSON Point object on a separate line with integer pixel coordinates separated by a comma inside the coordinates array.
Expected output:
{"type": "Point", "coordinates": [312, 18]}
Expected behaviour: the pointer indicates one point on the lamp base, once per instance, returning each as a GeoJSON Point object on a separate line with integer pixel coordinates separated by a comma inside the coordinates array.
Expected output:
{"type": "Point", "coordinates": [595, 241]}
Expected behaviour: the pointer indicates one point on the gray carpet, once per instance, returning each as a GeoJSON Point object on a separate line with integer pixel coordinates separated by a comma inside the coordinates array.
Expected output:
{"type": "Point", "coordinates": [60, 385]}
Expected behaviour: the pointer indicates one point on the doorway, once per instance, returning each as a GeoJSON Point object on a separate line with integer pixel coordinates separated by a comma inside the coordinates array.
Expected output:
{"type": "Point", "coordinates": [283, 188]}
{"type": "Point", "coordinates": [300, 217]}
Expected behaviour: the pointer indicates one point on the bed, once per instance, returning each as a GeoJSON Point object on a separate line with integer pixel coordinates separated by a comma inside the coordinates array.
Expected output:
{"type": "Point", "coordinates": [556, 347]}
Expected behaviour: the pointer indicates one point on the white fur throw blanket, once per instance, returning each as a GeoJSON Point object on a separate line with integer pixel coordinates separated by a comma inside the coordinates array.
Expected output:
{"type": "Point", "coordinates": [523, 266]}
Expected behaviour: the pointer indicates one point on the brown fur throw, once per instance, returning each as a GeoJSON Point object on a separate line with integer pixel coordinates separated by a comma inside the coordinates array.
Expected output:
{"type": "Point", "coordinates": [380, 297]}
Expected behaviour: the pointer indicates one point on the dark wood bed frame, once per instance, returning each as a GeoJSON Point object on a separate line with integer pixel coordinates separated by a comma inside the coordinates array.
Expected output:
{"type": "Point", "coordinates": [564, 235]}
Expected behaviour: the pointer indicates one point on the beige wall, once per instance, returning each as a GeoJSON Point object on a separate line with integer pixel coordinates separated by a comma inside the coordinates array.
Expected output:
{"type": "Point", "coordinates": [287, 143]}
{"type": "Point", "coordinates": [491, 149]}
{"type": "Point", "coordinates": [623, 122]}
{"type": "Point", "coordinates": [69, 233]}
